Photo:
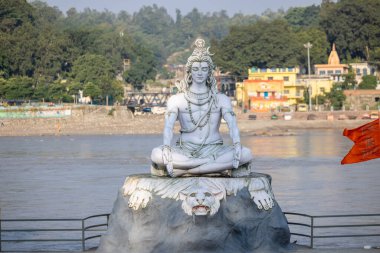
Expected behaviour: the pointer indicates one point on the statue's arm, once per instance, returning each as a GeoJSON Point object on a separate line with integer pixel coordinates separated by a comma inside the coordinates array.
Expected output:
{"type": "Point", "coordinates": [230, 118]}
{"type": "Point", "coordinates": [170, 119]}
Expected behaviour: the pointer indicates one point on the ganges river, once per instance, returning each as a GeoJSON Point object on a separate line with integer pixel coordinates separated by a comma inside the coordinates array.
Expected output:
{"type": "Point", "coordinates": [79, 176]}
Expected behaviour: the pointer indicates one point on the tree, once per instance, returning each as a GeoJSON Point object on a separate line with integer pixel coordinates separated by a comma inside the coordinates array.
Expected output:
{"type": "Point", "coordinates": [57, 92]}
{"type": "Point", "coordinates": [153, 20]}
{"type": "Point", "coordinates": [15, 13]}
{"type": "Point", "coordinates": [41, 91]}
{"type": "Point", "coordinates": [263, 45]}
{"type": "Point", "coordinates": [3, 83]}
{"type": "Point", "coordinates": [18, 88]}
{"type": "Point", "coordinates": [115, 47]}
{"type": "Point", "coordinates": [349, 82]}
{"type": "Point", "coordinates": [91, 90]}
{"type": "Point", "coordinates": [303, 17]}
{"type": "Point", "coordinates": [353, 25]}
{"type": "Point", "coordinates": [31, 45]}
{"type": "Point", "coordinates": [92, 68]}
{"type": "Point", "coordinates": [143, 67]}
{"type": "Point", "coordinates": [336, 96]}
{"type": "Point", "coordinates": [318, 52]}
{"type": "Point", "coordinates": [118, 90]}
{"type": "Point", "coordinates": [73, 88]}
{"type": "Point", "coordinates": [369, 82]}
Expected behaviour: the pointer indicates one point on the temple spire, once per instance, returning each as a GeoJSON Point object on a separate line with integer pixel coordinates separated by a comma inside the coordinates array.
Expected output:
{"type": "Point", "coordinates": [333, 58]}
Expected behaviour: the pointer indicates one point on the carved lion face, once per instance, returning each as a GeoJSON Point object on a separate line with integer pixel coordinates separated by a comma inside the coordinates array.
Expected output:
{"type": "Point", "coordinates": [200, 201]}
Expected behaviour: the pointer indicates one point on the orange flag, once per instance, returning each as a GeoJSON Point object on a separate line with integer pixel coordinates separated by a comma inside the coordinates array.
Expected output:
{"type": "Point", "coordinates": [366, 140]}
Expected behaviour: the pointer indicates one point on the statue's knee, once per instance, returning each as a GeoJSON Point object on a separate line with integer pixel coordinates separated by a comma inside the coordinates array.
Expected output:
{"type": "Point", "coordinates": [156, 155]}
{"type": "Point", "coordinates": [246, 154]}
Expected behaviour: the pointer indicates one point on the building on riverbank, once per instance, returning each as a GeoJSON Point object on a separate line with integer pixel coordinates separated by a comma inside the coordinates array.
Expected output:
{"type": "Point", "coordinates": [262, 95]}
{"type": "Point", "coordinates": [362, 99]}
{"type": "Point", "coordinates": [333, 69]}
{"type": "Point", "coordinates": [257, 93]}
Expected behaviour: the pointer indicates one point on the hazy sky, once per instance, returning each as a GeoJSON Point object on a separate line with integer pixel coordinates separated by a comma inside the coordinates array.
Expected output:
{"type": "Point", "coordinates": [231, 6]}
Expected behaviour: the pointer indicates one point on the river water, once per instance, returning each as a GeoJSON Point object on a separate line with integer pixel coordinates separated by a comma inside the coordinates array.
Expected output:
{"type": "Point", "coordinates": [78, 176]}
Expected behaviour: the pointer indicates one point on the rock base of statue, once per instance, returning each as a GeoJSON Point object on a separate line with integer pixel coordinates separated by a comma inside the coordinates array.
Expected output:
{"type": "Point", "coordinates": [195, 214]}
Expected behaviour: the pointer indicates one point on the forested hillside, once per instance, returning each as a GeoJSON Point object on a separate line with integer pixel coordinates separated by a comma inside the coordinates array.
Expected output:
{"type": "Point", "coordinates": [40, 46]}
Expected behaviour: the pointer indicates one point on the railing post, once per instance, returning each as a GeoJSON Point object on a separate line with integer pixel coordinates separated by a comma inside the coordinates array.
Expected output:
{"type": "Point", "coordinates": [83, 235]}
{"type": "Point", "coordinates": [312, 232]}
{"type": "Point", "coordinates": [0, 231]}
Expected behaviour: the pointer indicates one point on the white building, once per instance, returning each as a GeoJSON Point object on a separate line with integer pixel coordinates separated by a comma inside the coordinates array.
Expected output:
{"type": "Point", "coordinates": [362, 69]}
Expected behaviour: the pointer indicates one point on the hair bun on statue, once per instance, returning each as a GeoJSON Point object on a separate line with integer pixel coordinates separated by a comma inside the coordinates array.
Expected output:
{"type": "Point", "coordinates": [200, 49]}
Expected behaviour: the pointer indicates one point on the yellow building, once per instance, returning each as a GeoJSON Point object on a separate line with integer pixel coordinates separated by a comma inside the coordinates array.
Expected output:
{"type": "Point", "coordinates": [320, 85]}
{"type": "Point", "coordinates": [288, 75]}
{"type": "Point", "coordinates": [261, 95]}
{"type": "Point", "coordinates": [291, 89]}
{"type": "Point", "coordinates": [293, 85]}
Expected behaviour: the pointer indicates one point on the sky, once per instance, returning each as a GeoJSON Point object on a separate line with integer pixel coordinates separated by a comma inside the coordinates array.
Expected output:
{"type": "Point", "coordinates": [185, 6]}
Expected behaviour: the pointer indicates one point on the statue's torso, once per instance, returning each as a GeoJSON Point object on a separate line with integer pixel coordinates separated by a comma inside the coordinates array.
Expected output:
{"type": "Point", "coordinates": [189, 115]}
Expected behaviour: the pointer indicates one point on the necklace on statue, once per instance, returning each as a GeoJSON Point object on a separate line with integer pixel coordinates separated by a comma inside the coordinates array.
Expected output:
{"type": "Point", "coordinates": [203, 120]}
{"type": "Point", "coordinates": [198, 98]}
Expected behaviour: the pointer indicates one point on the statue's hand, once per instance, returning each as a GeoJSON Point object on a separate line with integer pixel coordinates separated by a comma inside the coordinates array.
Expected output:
{"type": "Point", "coordinates": [237, 155]}
{"type": "Point", "coordinates": [262, 200]}
{"type": "Point", "coordinates": [168, 159]}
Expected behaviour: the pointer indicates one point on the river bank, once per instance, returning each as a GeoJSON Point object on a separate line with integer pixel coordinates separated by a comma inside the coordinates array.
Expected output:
{"type": "Point", "coordinates": [124, 123]}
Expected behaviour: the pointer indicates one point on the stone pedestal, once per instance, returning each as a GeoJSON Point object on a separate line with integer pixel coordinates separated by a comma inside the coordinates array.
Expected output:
{"type": "Point", "coordinates": [196, 214]}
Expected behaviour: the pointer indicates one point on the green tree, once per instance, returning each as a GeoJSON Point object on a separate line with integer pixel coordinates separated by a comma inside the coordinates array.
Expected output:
{"type": "Point", "coordinates": [143, 67]}
{"type": "Point", "coordinates": [318, 52]}
{"type": "Point", "coordinates": [115, 46]}
{"type": "Point", "coordinates": [118, 91]}
{"type": "Point", "coordinates": [92, 68]}
{"type": "Point", "coordinates": [41, 91]}
{"type": "Point", "coordinates": [74, 88]}
{"type": "Point", "coordinates": [14, 13]}
{"type": "Point", "coordinates": [153, 20]}
{"type": "Point", "coordinates": [353, 25]}
{"type": "Point", "coordinates": [19, 88]}
{"type": "Point", "coordinates": [336, 96]}
{"type": "Point", "coordinates": [349, 82]}
{"type": "Point", "coordinates": [263, 45]}
{"type": "Point", "coordinates": [3, 84]}
{"type": "Point", "coordinates": [369, 82]}
{"type": "Point", "coordinates": [57, 92]}
{"type": "Point", "coordinates": [319, 99]}
{"type": "Point", "coordinates": [91, 90]}
{"type": "Point", "coordinates": [301, 17]}
{"type": "Point", "coordinates": [32, 45]}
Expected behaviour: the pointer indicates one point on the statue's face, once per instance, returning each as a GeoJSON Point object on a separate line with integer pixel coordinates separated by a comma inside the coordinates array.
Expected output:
{"type": "Point", "coordinates": [199, 72]}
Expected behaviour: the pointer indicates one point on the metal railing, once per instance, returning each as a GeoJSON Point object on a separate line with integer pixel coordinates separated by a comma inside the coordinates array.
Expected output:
{"type": "Point", "coordinates": [322, 226]}
{"type": "Point", "coordinates": [43, 230]}
{"type": "Point", "coordinates": [312, 228]}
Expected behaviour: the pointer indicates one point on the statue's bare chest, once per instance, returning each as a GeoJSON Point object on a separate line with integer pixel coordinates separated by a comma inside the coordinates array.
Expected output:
{"type": "Point", "coordinates": [193, 112]}
{"type": "Point", "coordinates": [187, 108]}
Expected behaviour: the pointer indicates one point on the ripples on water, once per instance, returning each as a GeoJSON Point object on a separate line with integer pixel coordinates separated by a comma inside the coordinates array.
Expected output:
{"type": "Point", "coordinates": [78, 176]}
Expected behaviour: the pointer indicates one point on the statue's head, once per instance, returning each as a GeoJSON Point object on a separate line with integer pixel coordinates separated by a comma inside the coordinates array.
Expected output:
{"type": "Point", "coordinates": [200, 57]}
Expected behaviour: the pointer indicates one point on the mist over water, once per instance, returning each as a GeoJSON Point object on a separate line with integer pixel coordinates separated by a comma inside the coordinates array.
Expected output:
{"type": "Point", "coordinates": [79, 176]}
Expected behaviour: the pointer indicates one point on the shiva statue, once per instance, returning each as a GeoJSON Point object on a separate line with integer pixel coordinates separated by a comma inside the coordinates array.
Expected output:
{"type": "Point", "coordinates": [199, 108]}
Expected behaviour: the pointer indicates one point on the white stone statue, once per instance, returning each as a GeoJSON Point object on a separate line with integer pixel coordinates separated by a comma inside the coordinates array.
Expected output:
{"type": "Point", "coordinates": [199, 108]}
